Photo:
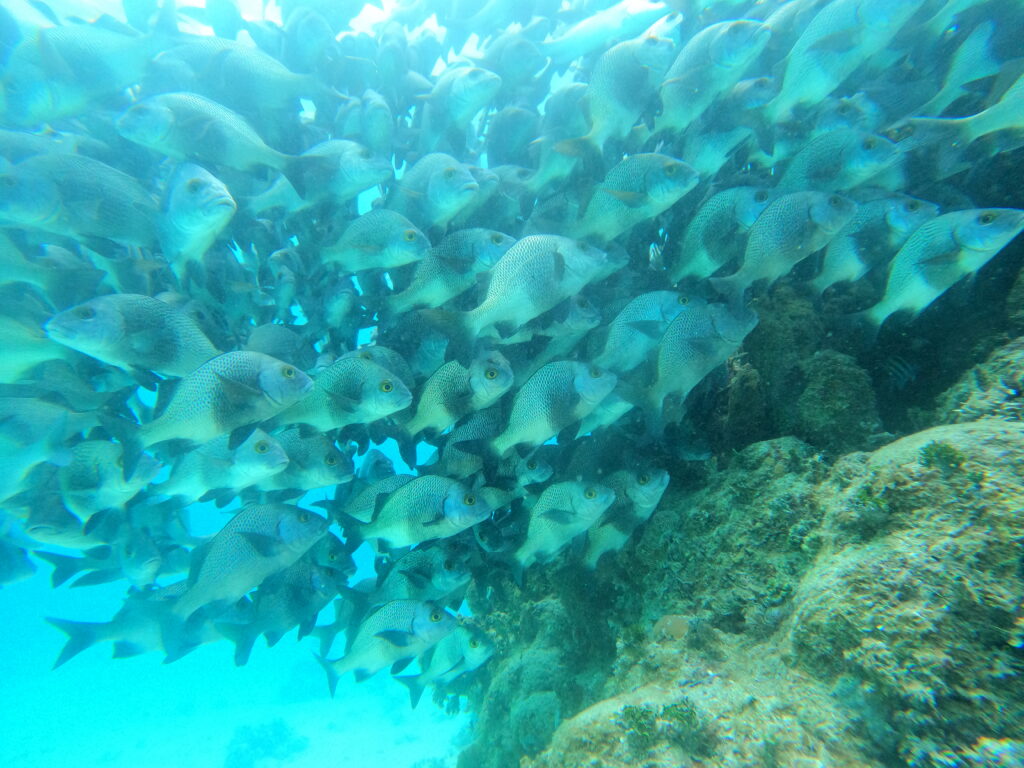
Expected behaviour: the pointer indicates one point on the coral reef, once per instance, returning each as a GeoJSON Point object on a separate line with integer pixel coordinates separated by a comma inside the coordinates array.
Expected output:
{"type": "Point", "coordinates": [253, 745]}
{"type": "Point", "coordinates": [867, 613]}
{"type": "Point", "coordinates": [995, 388]}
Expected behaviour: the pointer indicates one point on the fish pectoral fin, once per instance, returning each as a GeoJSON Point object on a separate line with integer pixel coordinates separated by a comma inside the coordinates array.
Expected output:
{"type": "Point", "coordinates": [652, 329]}
{"type": "Point", "coordinates": [268, 546]}
{"type": "Point", "coordinates": [396, 637]}
{"type": "Point", "coordinates": [562, 516]}
{"type": "Point", "coordinates": [627, 197]}
{"type": "Point", "coordinates": [417, 578]}
{"type": "Point", "coordinates": [343, 402]}
{"type": "Point", "coordinates": [237, 391]}
{"type": "Point", "coordinates": [435, 521]}
{"type": "Point", "coordinates": [239, 435]}
{"type": "Point", "coordinates": [838, 42]}
{"type": "Point", "coordinates": [401, 664]}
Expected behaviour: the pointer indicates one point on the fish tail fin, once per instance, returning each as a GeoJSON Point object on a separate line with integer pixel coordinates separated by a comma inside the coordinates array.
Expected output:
{"type": "Point", "coordinates": [332, 674]}
{"type": "Point", "coordinates": [64, 568]}
{"type": "Point", "coordinates": [243, 636]}
{"type": "Point", "coordinates": [415, 687]}
{"type": "Point", "coordinates": [81, 635]}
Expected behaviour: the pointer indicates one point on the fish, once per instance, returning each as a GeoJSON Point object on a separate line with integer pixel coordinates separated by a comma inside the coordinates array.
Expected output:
{"type": "Point", "coordinates": [256, 543]}
{"type": "Point", "coordinates": [531, 277]}
{"type": "Point", "coordinates": [426, 508]}
{"type": "Point", "coordinates": [874, 235]}
{"type": "Point", "coordinates": [838, 160]}
{"type": "Point", "coordinates": [637, 494]}
{"type": "Point", "coordinates": [314, 461]}
{"type": "Point", "coordinates": [456, 654]}
{"type": "Point", "coordinates": [564, 511]}
{"type": "Point", "coordinates": [379, 239]}
{"type": "Point", "coordinates": [637, 189]}
{"type": "Point", "coordinates": [791, 228]}
{"type": "Point", "coordinates": [212, 471]}
{"type": "Point", "coordinates": [453, 390]}
{"type": "Point", "coordinates": [189, 126]}
{"type": "Point", "coordinates": [136, 333]}
{"type": "Point", "coordinates": [450, 269]}
{"type": "Point", "coordinates": [433, 191]}
{"type": "Point", "coordinates": [697, 341]}
{"type": "Point", "coordinates": [719, 226]}
{"type": "Point", "coordinates": [77, 197]}
{"type": "Point", "coordinates": [938, 254]}
{"type": "Point", "coordinates": [557, 395]}
{"type": "Point", "coordinates": [711, 62]}
{"type": "Point", "coordinates": [351, 390]}
{"type": "Point", "coordinates": [635, 332]}
{"type": "Point", "coordinates": [197, 206]}
{"type": "Point", "coordinates": [398, 630]}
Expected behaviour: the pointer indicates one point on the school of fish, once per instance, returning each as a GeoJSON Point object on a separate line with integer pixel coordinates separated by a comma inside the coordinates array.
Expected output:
{"type": "Point", "coordinates": [243, 260]}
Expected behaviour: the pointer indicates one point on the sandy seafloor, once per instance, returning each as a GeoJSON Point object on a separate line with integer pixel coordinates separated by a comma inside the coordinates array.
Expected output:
{"type": "Point", "coordinates": [201, 711]}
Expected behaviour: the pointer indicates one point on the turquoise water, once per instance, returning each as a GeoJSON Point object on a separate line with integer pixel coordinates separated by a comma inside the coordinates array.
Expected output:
{"type": "Point", "coordinates": [699, 324]}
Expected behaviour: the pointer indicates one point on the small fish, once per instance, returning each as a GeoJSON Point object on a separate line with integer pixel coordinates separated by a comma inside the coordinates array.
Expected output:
{"type": "Point", "coordinates": [256, 543]}
{"type": "Point", "coordinates": [212, 471]}
{"type": "Point", "coordinates": [457, 654]}
{"type": "Point", "coordinates": [637, 494]}
{"type": "Point", "coordinates": [451, 268]}
{"type": "Point", "coordinates": [77, 197]}
{"type": "Point", "coordinates": [939, 253]}
{"type": "Point", "coordinates": [428, 507]}
{"type": "Point", "coordinates": [136, 333]}
{"type": "Point", "coordinates": [789, 230]}
{"type": "Point", "coordinates": [197, 207]}
{"type": "Point", "coordinates": [637, 189]}
{"type": "Point", "coordinates": [379, 239]}
{"type": "Point", "coordinates": [433, 191]}
{"type": "Point", "coordinates": [563, 511]}
{"type": "Point", "coordinates": [351, 390]}
{"type": "Point", "coordinates": [558, 394]}
{"type": "Point", "coordinates": [395, 632]}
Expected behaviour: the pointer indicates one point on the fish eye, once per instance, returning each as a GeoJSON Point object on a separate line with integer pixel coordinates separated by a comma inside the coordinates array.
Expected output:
{"type": "Point", "coordinates": [531, 465]}
{"type": "Point", "coordinates": [435, 616]}
{"type": "Point", "coordinates": [365, 153]}
{"type": "Point", "coordinates": [85, 313]}
{"type": "Point", "coordinates": [844, 109]}
{"type": "Point", "coordinates": [262, 446]}
{"type": "Point", "coordinates": [386, 386]}
{"type": "Point", "coordinates": [644, 479]}
{"type": "Point", "coordinates": [761, 196]}
{"type": "Point", "coordinates": [491, 373]}
{"type": "Point", "coordinates": [870, 143]}
{"type": "Point", "coordinates": [449, 172]}
{"type": "Point", "coordinates": [595, 373]}
{"type": "Point", "coordinates": [469, 499]}
{"type": "Point", "coordinates": [474, 643]}
{"type": "Point", "coordinates": [835, 201]}
{"type": "Point", "coordinates": [194, 185]}
{"type": "Point", "coordinates": [590, 493]}
{"type": "Point", "coordinates": [330, 460]}
{"type": "Point", "coordinates": [684, 300]}
{"type": "Point", "coordinates": [671, 169]}
{"type": "Point", "coordinates": [913, 205]}
{"type": "Point", "coordinates": [288, 372]}
{"type": "Point", "coordinates": [409, 235]}
{"type": "Point", "coordinates": [986, 218]}
{"type": "Point", "coordinates": [496, 238]}
{"type": "Point", "coordinates": [332, 556]}
{"type": "Point", "coordinates": [448, 565]}
{"type": "Point", "coordinates": [304, 517]}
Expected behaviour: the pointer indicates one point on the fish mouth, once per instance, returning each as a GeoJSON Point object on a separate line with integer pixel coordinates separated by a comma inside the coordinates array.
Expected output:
{"type": "Point", "coordinates": [469, 186]}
